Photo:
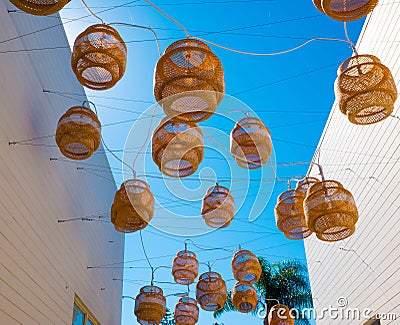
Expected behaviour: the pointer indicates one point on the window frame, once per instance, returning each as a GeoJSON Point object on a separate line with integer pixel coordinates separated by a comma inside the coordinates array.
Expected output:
{"type": "Point", "coordinates": [87, 314]}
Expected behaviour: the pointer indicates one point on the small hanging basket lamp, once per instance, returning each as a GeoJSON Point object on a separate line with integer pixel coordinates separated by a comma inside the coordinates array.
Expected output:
{"type": "Point", "coordinates": [78, 133]}
{"type": "Point", "coordinates": [150, 305]}
{"type": "Point", "coordinates": [189, 81]}
{"type": "Point", "coordinates": [345, 10]}
{"type": "Point", "coordinates": [185, 267]}
{"type": "Point", "coordinates": [211, 291]}
{"type": "Point", "coordinates": [244, 297]}
{"type": "Point", "coordinates": [133, 206]}
{"type": "Point", "coordinates": [246, 267]}
{"type": "Point", "coordinates": [218, 207]}
{"type": "Point", "coordinates": [304, 184]}
{"type": "Point", "coordinates": [280, 315]}
{"type": "Point", "coordinates": [251, 143]}
{"type": "Point", "coordinates": [99, 57]}
{"type": "Point", "coordinates": [40, 7]}
{"type": "Point", "coordinates": [330, 211]}
{"type": "Point", "coordinates": [366, 90]}
{"type": "Point", "coordinates": [186, 311]}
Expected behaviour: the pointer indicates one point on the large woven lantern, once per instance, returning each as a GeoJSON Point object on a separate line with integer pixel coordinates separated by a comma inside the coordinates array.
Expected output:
{"type": "Point", "coordinates": [189, 81]}
{"type": "Point", "coordinates": [211, 291]}
{"type": "Point", "coordinates": [78, 133]}
{"type": "Point", "coordinates": [150, 305]}
{"type": "Point", "coordinates": [99, 57]}
{"type": "Point", "coordinates": [185, 267]}
{"type": "Point", "coordinates": [177, 147]}
{"type": "Point", "coordinates": [330, 211]}
{"type": "Point", "coordinates": [280, 315]}
{"type": "Point", "coordinates": [40, 7]}
{"type": "Point", "coordinates": [304, 184]}
{"type": "Point", "coordinates": [251, 143]}
{"type": "Point", "coordinates": [244, 297]}
{"type": "Point", "coordinates": [246, 267]}
{"type": "Point", "coordinates": [345, 10]}
{"type": "Point", "coordinates": [186, 311]}
{"type": "Point", "coordinates": [366, 90]}
{"type": "Point", "coordinates": [218, 207]}
{"type": "Point", "coordinates": [133, 206]}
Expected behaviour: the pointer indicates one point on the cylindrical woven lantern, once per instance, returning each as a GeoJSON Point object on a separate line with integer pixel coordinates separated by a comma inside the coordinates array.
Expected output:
{"type": "Point", "coordinates": [366, 90]}
{"type": "Point", "coordinates": [150, 305]}
{"type": "Point", "coordinates": [189, 81]}
{"type": "Point", "coordinates": [211, 291]}
{"type": "Point", "coordinates": [246, 267]}
{"type": "Point", "coordinates": [330, 211]}
{"type": "Point", "coordinates": [280, 315]}
{"type": "Point", "coordinates": [218, 207]}
{"type": "Point", "coordinates": [133, 206]}
{"type": "Point", "coordinates": [177, 147]}
{"type": "Point", "coordinates": [304, 184]}
{"type": "Point", "coordinates": [251, 143]}
{"type": "Point", "coordinates": [345, 10]}
{"type": "Point", "coordinates": [99, 57]}
{"type": "Point", "coordinates": [78, 133]}
{"type": "Point", "coordinates": [244, 297]}
{"type": "Point", "coordinates": [40, 7]}
{"type": "Point", "coordinates": [186, 311]}
{"type": "Point", "coordinates": [185, 267]}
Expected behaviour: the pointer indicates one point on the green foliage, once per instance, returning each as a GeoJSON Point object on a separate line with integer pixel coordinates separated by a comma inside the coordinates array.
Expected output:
{"type": "Point", "coordinates": [168, 319]}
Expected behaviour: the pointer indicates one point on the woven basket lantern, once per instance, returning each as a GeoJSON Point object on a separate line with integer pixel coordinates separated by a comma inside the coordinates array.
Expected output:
{"type": "Point", "coordinates": [366, 90]}
{"type": "Point", "coordinates": [211, 291]}
{"type": "Point", "coordinates": [189, 81]}
{"type": "Point", "coordinates": [177, 147]}
{"type": "Point", "coordinates": [280, 315]}
{"type": "Point", "coordinates": [40, 7]}
{"type": "Point", "coordinates": [78, 133]}
{"type": "Point", "coordinates": [99, 57]}
{"type": "Point", "coordinates": [133, 206]}
{"type": "Point", "coordinates": [345, 10]}
{"type": "Point", "coordinates": [185, 267]}
{"type": "Point", "coordinates": [251, 143]}
{"type": "Point", "coordinates": [244, 297]}
{"type": "Point", "coordinates": [246, 267]}
{"type": "Point", "coordinates": [186, 311]}
{"type": "Point", "coordinates": [304, 184]}
{"type": "Point", "coordinates": [218, 207]}
{"type": "Point", "coordinates": [330, 211]}
{"type": "Point", "coordinates": [150, 305]}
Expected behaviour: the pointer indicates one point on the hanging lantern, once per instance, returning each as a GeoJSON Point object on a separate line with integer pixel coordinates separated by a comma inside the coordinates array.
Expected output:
{"type": "Point", "coordinates": [246, 267]}
{"type": "Point", "coordinates": [330, 211]}
{"type": "Point", "coordinates": [133, 206]}
{"type": "Point", "coordinates": [244, 297]}
{"type": "Point", "coordinates": [99, 57]}
{"type": "Point", "coordinates": [40, 7]}
{"type": "Point", "coordinates": [366, 90]}
{"type": "Point", "coordinates": [150, 305]}
{"type": "Point", "coordinates": [185, 267]}
{"type": "Point", "coordinates": [304, 184]}
{"type": "Point", "coordinates": [280, 315]}
{"type": "Point", "coordinates": [218, 207]}
{"type": "Point", "coordinates": [186, 311]}
{"type": "Point", "coordinates": [189, 81]}
{"type": "Point", "coordinates": [251, 143]}
{"type": "Point", "coordinates": [211, 291]}
{"type": "Point", "coordinates": [177, 147]}
{"type": "Point", "coordinates": [78, 133]}
{"type": "Point", "coordinates": [345, 10]}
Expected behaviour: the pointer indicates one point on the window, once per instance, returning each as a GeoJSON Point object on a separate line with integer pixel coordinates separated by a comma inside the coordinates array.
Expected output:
{"type": "Point", "coordinates": [82, 315]}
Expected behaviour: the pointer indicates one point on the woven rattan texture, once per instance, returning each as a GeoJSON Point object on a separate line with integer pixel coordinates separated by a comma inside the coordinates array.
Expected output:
{"type": "Point", "coordinates": [78, 133]}
{"type": "Point", "coordinates": [150, 305]}
{"type": "Point", "coordinates": [185, 267]}
{"type": "Point", "coordinates": [345, 10]}
{"type": "Point", "coordinates": [304, 184]}
{"type": "Point", "coordinates": [211, 291]}
{"type": "Point", "coordinates": [246, 267]}
{"type": "Point", "coordinates": [280, 315]}
{"type": "Point", "coordinates": [99, 57]}
{"type": "Point", "coordinates": [244, 297]}
{"type": "Point", "coordinates": [40, 7]}
{"type": "Point", "coordinates": [218, 207]}
{"type": "Point", "coordinates": [186, 311]}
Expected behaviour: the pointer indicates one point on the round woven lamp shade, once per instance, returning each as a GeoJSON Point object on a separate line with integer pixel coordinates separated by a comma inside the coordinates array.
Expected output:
{"type": "Point", "coordinates": [40, 7]}
{"type": "Point", "coordinates": [99, 57]}
{"type": "Point", "coordinates": [211, 291]}
{"type": "Point", "coordinates": [78, 133]}
{"type": "Point", "coordinates": [150, 305]}
{"type": "Point", "coordinates": [185, 267]}
{"type": "Point", "coordinates": [366, 90]}
{"type": "Point", "coordinates": [218, 207]}
{"type": "Point", "coordinates": [246, 267]}
{"type": "Point", "coordinates": [177, 147]}
{"type": "Point", "coordinates": [345, 10]}
{"type": "Point", "coordinates": [189, 81]}
{"type": "Point", "coordinates": [244, 297]}
{"type": "Point", "coordinates": [133, 206]}
{"type": "Point", "coordinates": [251, 143]}
{"type": "Point", "coordinates": [330, 211]}
{"type": "Point", "coordinates": [280, 315]}
{"type": "Point", "coordinates": [304, 184]}
{"type": "Point", "coordinates": [186, 311]}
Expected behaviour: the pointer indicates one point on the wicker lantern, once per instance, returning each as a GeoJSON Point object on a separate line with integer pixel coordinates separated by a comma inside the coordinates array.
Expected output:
{"type": "Point", "coordinates": [244, 297]}
{"type": "Point", "coordinates": [185, 267]}
{"type": "Point", "coordinates": [150, 305]}
{"type": "Point", "coordinates": [246, 267]}
{"type": "Point", "coordinates": [177, 147]}
{"type": "Point", "coordinates": [40, 7]}
{"type": "Point", "coordinates": [189, 81]}
{"type": "Point", "coordinates": [280, 315]}
{"type": "Point", "coordinates": [304, 184]}
{"type": "Point", "coordinates": [186, 311]}
{"type": "Point", "coordinates": [366, 90]}
{"type": "Point", "coordinates": [211, 291]}
{"type": "Point", "coordinates": [78, 133]}
{"type": "Point", "coordinates": [330, 211]}
{"type": "Point", "coordinates": [251, 143]}
{"type": "Point", "coordinates": [218, 207]}
{"type": "Point", "coordinates": [345, 10]}
{"type": "Point", "coordinates": [133, 206]}
{"type": "Point", "coordinates": [99, 57]}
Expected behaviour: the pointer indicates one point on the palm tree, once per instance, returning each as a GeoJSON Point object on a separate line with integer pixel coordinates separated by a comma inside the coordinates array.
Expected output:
{"type": "Point", "coordinates": [168, 318]}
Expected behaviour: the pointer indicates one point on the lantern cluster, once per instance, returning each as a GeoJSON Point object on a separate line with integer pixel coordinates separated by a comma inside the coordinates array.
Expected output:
{"type": "Point", "coordinates": [186, 311]}
{"type": "Point", "coordinates": [211, 291]}
{"type": "Point", "coordinates": [40, 7]}
{"type": "Point", "coordinates": [150, 305]}
{"type": "Point", "coordinates": [345, 10]}
{"type": "Point", "coordinates": [218, 207]}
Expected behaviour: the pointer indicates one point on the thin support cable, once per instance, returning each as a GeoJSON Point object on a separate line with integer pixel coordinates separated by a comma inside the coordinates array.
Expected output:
{"type": "Point", "coordinates": [147, 258]}
{"type": "Point", "coordinates": [348, 38]}
{"type": "Point", "coordinates": [91, 12]}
